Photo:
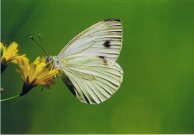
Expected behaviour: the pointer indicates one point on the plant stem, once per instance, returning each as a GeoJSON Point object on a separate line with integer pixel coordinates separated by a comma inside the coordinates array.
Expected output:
{"type": "Point", "coordinates": [10, 98]}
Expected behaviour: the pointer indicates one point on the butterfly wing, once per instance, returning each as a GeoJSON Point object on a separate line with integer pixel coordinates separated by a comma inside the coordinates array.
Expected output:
{"type": "Point", "coordinates": [101, 39]}
{"type": "Point", "coordinates": [91, 79]}
{"type": "Point", "coordinates": [88, 62]}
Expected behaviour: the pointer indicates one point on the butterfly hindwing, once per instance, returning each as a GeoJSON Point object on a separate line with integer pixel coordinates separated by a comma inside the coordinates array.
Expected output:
{"type": "Point", "coordinates": [91, 79]}
{"type": "Point", "coordinates": [101, 39]}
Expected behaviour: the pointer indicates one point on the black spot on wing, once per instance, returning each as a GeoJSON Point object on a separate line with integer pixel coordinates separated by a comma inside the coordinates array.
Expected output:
{"type": "Point", "coordinates": [104, 60]}
{"type": "Point", "coordinates": [112, 19]}
{"type": "Point", "coordinates": [102, 57]}
{"type": "Point", "coordinates": [107, 44]}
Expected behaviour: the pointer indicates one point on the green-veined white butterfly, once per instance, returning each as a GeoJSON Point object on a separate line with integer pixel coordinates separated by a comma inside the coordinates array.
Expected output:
{"type": "Point", "coordinates": [88, 62]}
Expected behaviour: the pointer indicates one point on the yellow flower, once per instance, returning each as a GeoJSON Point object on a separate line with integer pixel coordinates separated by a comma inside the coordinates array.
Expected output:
{"type": "Point", "coordinates": [36, 73]}
{"type": "Point", "coordinates": [8, 54]}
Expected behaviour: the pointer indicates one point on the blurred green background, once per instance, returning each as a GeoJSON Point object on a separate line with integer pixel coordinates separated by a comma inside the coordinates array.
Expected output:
{"type": "Point", "coordinates": [157, 94]}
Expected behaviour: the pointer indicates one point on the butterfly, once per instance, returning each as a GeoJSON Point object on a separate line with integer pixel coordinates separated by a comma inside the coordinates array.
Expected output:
{"type": "Point", "coordinates": [88, 62]}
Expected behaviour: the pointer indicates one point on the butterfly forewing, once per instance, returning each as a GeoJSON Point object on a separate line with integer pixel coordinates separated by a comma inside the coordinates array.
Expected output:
{"type": "Point", "coordinates": [101, 39]}
{"type": "Point", "coordinates": [92, 80]}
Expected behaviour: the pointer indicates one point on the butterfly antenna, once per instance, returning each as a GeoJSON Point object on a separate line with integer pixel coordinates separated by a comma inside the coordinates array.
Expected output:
{"type": "Point", "coordinates": [40, 38]}
{"type": "Point", "coordinates": [38, 44]}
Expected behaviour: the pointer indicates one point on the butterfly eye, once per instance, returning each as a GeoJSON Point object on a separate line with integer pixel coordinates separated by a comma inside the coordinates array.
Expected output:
{"type": "Point", "coordinates": [47, 59]}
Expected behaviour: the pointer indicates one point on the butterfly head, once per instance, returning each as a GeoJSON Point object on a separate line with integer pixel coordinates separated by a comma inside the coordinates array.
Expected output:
{"type": "Point", "coordinates": [49, 59]}
{"type": "Point", "coordinates": [53, 60]}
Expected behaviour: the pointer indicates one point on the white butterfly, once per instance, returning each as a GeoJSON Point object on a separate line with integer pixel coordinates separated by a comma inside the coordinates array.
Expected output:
{"type": "Point", "coordinates": [88, 62]}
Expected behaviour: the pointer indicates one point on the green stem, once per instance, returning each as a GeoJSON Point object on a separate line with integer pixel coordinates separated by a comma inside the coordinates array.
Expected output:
{"type": "Point", "coordinates": [10, 98]}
